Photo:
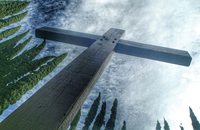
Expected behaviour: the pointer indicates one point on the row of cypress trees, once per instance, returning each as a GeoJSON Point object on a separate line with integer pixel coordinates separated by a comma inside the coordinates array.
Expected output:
{"type": "Point", "coordinates": [92, 113]}
{"type": "Point", "coordinates": [11, 7]}
{"type": "Point", "coordinates": [18, 74]}
{"type": "Point", "coordinates": [195, 122]}
{"type": "Point", "coordinates": [99, 120]}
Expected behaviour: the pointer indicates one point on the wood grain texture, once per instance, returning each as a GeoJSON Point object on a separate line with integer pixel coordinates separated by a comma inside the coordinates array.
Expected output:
{"type": "Point", "coordinates": [130, 48]}
{"type": "Point", "coordinates": [56, 104]}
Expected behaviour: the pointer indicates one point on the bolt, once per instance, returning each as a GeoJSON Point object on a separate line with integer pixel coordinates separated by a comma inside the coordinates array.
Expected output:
{"type": "Point", "coordinates": [101, 39]}
{"type": "Point", "coordinates": [113, 41]}
{"type": "Point", "coordinates": [115, 38]}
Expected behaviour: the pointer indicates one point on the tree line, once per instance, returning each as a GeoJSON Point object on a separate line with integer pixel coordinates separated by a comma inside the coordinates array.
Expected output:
{"type": "Point", "coordinates": [99, 120]}
{"type": "Point", "coordinates": [18, 74]}
{"type": "Point", "coordinates": [12, 7]}
{"type": "Point", "coordinates": [195, 123]}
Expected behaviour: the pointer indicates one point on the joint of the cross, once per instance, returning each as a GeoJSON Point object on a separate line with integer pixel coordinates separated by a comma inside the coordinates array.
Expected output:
{"type": "Point", "coordinates": [105, 38]}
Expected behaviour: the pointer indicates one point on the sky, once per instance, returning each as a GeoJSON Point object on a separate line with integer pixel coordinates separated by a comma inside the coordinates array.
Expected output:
{"type": "Point", "coordinates": [146, 90]}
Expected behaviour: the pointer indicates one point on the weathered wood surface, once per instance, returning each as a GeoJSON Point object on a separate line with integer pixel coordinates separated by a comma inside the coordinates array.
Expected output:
{"type": "Point", "coordinates": [55, 105]}
{"type": "Point", "coordinates": [163, 54]}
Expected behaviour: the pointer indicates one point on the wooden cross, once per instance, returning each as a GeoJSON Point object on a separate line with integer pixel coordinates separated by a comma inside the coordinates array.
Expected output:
{"type": "Point", "coordinates": [56, 104]}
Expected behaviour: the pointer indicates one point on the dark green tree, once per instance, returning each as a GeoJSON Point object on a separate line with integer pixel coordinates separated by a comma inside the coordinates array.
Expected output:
{"type": "Point", "coordinates": [75, 121]}
{"type": "Point", "coordinates": [92, 113]}
{"type": "Point", "coordinates": [10, 8]}
{"type": "Point", "coordinates": [25, 57]}
{"type": "Point", "coordinates": [12, 19]}
{"type": "Point", "coordinates": [8, 52]}
{"type": "Point", "coordinates": [19, 48]}
{"type": "Point", "coordinates": [9, 32]}
{"type": "Point", "coordinates": [181, 127]}
{"type": "Point", "coordinates": [195, 122]}
{"type": "Point", "coordinates": [110, 125]}
{"type": "Point", "coordinates": [9, 44]}
{"type": "Point", "coordinates": [166, 126]}
{"type": "Point", "coordinates": [14, 91]}
{"type": "Point", "coordinates": [99, 121]}
{"type": "Point", "coordinates": [158, 127]}
{"type": "Point", "coordinates": [124, 125]}
{"type": "Point", "coordinates": [18, 74]}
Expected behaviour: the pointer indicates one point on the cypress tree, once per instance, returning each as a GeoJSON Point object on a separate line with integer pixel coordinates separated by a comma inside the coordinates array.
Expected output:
{"type": "Point", "coordinates": [166, 126]}
{"type": "Point", "coordinates": [7, 50]}
{"type": "Point", "coordinates": [19, 48]}
{"type": "Point", "coordinates": [75, 121]}
{"type": "Point", "coordinates": [111, 122]}
{"type": "Point", "coordinates": [195, 122]}
{"type": "Point", "coordinates": [25, 57]}
{"type": "Point", "coordinates": [158, 127]}
{"type": "Point", "coordinates": [12, 19]}
{"type": "Point", "coordinates": [11, 42]}
{"type": "Point", "coordinates": [124, 125]}
{"type": "Point", "coordinates": [99, 121]}
{"type": "Point", "coordinates": [181, 127]}
{"type": "Point", "coordinates": [92, 113]}
{"type": "Point", "coordinates": [9, 32]}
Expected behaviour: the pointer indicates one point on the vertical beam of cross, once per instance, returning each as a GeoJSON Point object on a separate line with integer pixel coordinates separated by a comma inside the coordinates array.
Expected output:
{"type": "Point", "coordinates": [56, 104]}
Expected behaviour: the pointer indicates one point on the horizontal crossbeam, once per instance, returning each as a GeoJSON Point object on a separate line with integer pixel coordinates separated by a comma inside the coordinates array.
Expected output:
{"type": "Point", "coordinates": [123, 46]}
